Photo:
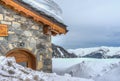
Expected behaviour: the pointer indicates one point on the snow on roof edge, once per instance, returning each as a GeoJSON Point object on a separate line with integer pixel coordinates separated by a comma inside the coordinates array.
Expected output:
{"type": "Point", "coordinates": [41, 10]}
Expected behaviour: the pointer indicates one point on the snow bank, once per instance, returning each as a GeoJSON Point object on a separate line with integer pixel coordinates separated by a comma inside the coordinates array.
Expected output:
{"type": "Point", "coordinates": [113, 75]}
{"type": "Point", "coordinates": [84, 67]}
{"type": "Point", "coordinates": [11, 71]}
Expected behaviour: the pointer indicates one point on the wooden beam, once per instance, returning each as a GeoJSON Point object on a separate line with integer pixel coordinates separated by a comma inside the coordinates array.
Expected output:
{"type": "Point", "coordinates": [47, 30]}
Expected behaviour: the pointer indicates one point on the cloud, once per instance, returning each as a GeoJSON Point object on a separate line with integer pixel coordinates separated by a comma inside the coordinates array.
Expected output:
{"type": "Point", "coordinates": [90, 23]}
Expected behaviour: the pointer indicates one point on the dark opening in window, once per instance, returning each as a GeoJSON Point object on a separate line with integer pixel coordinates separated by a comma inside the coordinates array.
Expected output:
{"type": "Point", "coordinates": [23, 64]}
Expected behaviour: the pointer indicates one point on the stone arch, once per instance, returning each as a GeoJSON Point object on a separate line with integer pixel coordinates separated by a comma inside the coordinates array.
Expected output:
{"type": "Point", "coordinates": [23, 55]}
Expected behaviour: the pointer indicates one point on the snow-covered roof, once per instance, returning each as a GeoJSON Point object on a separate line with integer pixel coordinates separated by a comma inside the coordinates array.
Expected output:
{"type": "Point", "coordinates": [47, 8]}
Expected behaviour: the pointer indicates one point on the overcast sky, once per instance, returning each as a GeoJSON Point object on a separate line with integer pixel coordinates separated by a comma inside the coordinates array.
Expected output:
{"type": "Point", "coordinates": [91, 23]}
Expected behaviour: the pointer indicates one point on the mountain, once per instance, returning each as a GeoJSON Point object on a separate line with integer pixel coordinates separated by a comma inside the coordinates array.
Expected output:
{"type": "Point", "coordinates": [91, 68]}
{"type": "Point", "coordinates": [60, 52]}
{"type": "Point", "coordinates": [96, 69]}
{"type": "Point", "coordinates": [114, 56]}
{"type": "Point", "coordinates": [100, 53]}
{"type": "Point", "coordinates": [97, 52]}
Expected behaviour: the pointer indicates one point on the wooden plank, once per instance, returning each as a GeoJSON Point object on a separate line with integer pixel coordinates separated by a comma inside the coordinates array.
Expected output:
{"type": "Point", "coordinates": [3, 30]}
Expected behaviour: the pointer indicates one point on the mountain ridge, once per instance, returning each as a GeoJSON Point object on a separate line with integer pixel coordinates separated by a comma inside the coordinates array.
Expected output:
{"type": "Point", "coordinates": [95, 52]}
{"type": "Point", "coordinates": [60, 52]}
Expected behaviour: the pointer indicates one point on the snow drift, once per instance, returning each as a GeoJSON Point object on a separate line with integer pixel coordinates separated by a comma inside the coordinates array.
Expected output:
{"type": "Point", "coordinates": [11, 71]}
{"type": "Point", "coordinates": [96, 69]}
{"type": "Point", "coordinates": [113, 75]}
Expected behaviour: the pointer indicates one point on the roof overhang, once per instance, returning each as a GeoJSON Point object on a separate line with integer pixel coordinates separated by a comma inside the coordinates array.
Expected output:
{"type": "Point", "coordinates": [55, 28]}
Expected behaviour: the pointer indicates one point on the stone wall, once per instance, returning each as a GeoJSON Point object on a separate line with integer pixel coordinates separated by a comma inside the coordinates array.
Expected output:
{"type": "Point", "coordinates": [25, 33]}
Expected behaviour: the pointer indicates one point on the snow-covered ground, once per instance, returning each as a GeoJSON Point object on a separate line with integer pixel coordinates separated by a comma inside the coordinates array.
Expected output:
{"type": "Point", "coordinates": [113, 75]}
{"type": "Point", "coordinates": [84, 51]}
{"type": "Point", "coordinates": [82, 69]}
{"type": "Point", "coordinates": [96, 69]}
{"type": "Point", "coordinates": [11, 71]}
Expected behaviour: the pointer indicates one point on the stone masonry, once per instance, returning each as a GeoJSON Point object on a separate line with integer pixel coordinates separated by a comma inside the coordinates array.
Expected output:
{"type": "Point", "coordinates": [26, 33]}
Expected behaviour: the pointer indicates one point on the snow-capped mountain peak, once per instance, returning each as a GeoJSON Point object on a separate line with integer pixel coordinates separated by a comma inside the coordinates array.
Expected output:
{"type": "Point", "coordinates": [103, 51]}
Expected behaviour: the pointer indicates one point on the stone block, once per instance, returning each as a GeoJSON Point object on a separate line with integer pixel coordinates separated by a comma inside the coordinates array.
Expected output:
{"type": "Point", "coordinates": [16, 24]}
{"type": "Point", "coordinates": [1, 38]}
{"type": "Point", "coordinates": [35, 27]}
{"type": "Point", "coordinates": [6, 22]}
{"type": "Point", "coordinates": [41, 57]}
{"type": "Point", "coordinates": [23, 19]}
{"type": "Point", "coordinates": [45, 69]}
{"type": "Point", "coordinates": [24, 27]}
{"type": "Point", "coordinates": [47, 62]}
{"type": "Point", "coordinates": [7, 18]}
{"type": "Point", "coordinates": [39, 65]}
{"type": "Point", "coordinates": [12, 38]}
{"type": "Point", "coordinates": [16, 16]}
{"type": "Point", "coordinates": [49, 55]}
{"type": "Point", "coordinates": [40, 46]}
{"type": "Point", "coordinates": [29, 48]}
{"type": "Point", "coordinates": [32, 42]}
{"type": "Point", "coordinates": [1, 16]}
{"type": "Point", "coordinates": [1, 9]}
{"type": "Point", "coordinates": [11, 46]}
{"type": "Point", "coordinates": [10, 32]}
{"type": "Point", "coordinates": [41, 28]}
{"type": "Point", "coordinates": [27, 33]}
{"type": "Point", "coordinates": [49, 66]}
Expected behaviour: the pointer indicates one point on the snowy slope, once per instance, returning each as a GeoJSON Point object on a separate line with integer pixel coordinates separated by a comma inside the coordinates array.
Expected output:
{"type": "Point", "coordinates": [113, 75]}
{"type": "Point", "coordinates": [84, 67]}
{"type": "Point", "coordinates": [108, 51]}
{"type": "Point", "coordinates": [11, 71]}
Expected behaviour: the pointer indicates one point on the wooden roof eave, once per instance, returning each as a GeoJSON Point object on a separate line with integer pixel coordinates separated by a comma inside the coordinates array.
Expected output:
{"type": "Point", "coordinates": [35, 16]}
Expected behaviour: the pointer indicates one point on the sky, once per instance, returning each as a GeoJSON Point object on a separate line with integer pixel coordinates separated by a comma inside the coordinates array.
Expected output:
{"type": "Point", "coordinates": [91, 23]}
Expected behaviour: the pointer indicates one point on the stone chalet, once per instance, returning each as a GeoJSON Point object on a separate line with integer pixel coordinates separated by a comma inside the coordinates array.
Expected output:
{"type": "Point", "coordinates": [25, 33]}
